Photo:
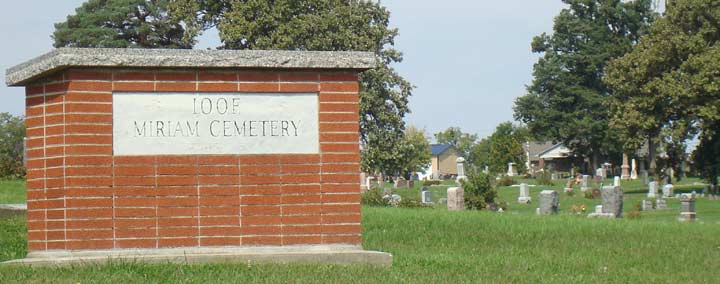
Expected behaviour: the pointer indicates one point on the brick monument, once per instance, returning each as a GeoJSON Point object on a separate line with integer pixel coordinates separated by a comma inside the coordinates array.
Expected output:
{"type": "Point", "coordinates": [153, 154]}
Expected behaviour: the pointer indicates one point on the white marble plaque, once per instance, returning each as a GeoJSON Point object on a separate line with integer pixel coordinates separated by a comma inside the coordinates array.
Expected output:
{"type": "Point", "coordinates": [212, 123]}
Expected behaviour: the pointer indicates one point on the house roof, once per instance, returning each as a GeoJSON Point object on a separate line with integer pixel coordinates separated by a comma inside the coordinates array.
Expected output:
{"type": "Point", "coordinates": [534, 148]}
{"type": "Point", "coordinates": [556, 151]}
{"type": "Point", "coordinates": [437, 149]}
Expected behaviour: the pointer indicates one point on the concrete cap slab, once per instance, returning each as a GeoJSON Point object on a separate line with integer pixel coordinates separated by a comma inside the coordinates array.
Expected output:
{"type": "Point", "coordinates": [63, 58]}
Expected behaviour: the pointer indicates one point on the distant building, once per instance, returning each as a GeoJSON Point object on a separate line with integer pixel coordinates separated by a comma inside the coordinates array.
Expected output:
{"type": "Point", "coordinates": [546, 155]}
{"type": "Point", "coordinates": [444, 160]}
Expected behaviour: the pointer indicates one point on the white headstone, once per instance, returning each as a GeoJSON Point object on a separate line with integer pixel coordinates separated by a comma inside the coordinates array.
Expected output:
{"type": "Point", "coordinates": [667, 190]}
{"type": "Point", "coordinates": [585, 185]}
{"type": "Point", "coordinates": [455, 199]}
{"type": "Point", "coordinates": [652, 189]}
{"type": "Point", "coordinates": [633, 170]}
{"type": "Point", "coordinates": [426, 197]}
{"type": "Point", "coordinates": [600, 173]}
{"type": "Point", "coordinates": [460, 169]}
{"type": "Point", "coordinates": [511, 170]}
{"type": "Point", "coordinates": [524, 197]}
{"type": "Point", "coordinates": [616, 181]}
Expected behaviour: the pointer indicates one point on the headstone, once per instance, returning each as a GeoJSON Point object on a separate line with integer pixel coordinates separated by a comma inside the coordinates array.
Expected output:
{"type": "Point", "coordinates": [460, 169]}
{"type": "Point", "coordinates": [599, 174]}
{"type": "Point", "coordinates": [524, 197]}
{"type": "Point", "coordinates": [585, 185]}
{"type": "Point", "coordinates": [569, 186]}
{"type": "Point", "coordinates": [647, 205]}
{"type": "Point", "coordinates": [687, 208]}
{"type": "Point", "coordinates": [395, 199]}
{"type": "Point", "coordinates": [616, 181]}
{"type": "Point", "coordinates": [371, 182]}
{"type": "Point", "coordinates": [667, 190]}
{"type": "Point", "coordinates": [363, 182]}
{"type": "Point", "coordinates": [633, 170]}
{"type": "Point", "coordinates": [598, 209]}
{"type": "Point", "coordinates": [549, 202]}
{"type": "Point", "coordinates": [511, 170]}
{"type": "Point", "coordinates": [625, 168]}
{"type": "Point", "coordinates": [401, 183]}
{"type": "Point", "coordinates": [442, 200]}
{"type": "Point", "coordinates": [660, 204]}
{"type": "Point", "coordinates": [644, 175]}
{"type": "Point", "coordinates": [426, 197]}
{"type": "Point", "coordinates": [652, 189]}
{"type": "Point", "coordinates": [612, 200]}
{"type": "Point", "coordinates": [455, 199]}
{"type": "Point", "coordinates": [553, 176]}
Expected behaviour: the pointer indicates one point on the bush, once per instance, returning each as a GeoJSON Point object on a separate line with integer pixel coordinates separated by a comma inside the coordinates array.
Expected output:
{"type": "Point", "coordinates": [374, 197]}
{"type": "Point", "coordinates": [506, 181]}
{"type": "Point", "coordinates": [544, 178]}
{"type": "Point", "coordinates": [589, 194]}
{"type": "Point", "coordinates": [431, 182]}
{"type": "Point", "coordinates": [478, 191]}
{"type": "Point", "coordinates": [12, 134]}
{"type": "Point", "coordinates": [412, 203]}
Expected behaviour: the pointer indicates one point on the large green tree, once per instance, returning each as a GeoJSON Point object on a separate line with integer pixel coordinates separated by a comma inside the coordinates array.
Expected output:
{"type": "Point", "coordinates": [565, 101]}
{"type": "Point", "coordinates": [416, 156]}
{"type": "Point", "coordinates": [454, 136]}
{"type": "Point", "coordinates": [506, 147]}
{"type": "Point", "coordinates": [12, 135]}
{"type": "Point", "coordinates": [668, 83]}
{"type": "Point", "coordinates": [121, 24]}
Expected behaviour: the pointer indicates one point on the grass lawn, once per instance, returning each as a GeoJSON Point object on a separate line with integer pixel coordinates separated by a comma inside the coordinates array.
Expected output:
{"type": "Point", "coordinates": [12, 191]}
{"type": "Point", "coordinates": [437, 246]}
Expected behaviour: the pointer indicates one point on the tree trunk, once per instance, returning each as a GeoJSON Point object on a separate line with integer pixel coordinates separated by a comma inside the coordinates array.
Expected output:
{"type": "Point", "coordinates": [595, 158]}
{"type": "Point", "coordinates": [652, 149]}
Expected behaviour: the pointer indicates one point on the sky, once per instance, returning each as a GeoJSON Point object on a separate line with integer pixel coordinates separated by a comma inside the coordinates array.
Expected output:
{"type": "Point", "coordinates": [468, 59]}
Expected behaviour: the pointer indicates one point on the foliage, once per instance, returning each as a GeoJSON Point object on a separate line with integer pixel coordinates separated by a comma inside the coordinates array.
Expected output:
{"type": "Point", "coordinates": [374, 197]}
{"type": "Point", "coordinates": [416, 152]}
{"type": "Point", "coordinates": [121, 24]}
{"type": "Point", "coordinates": [565, 101]}
{"type": "Point", "coordinates": [544, 178]}
{"type": "Point", "coordinates": [479, 191]}
{"type": "Point", "coordinates": [412, 203]}
{"type": "Point", "coordinates": [588, 194]}
{"type": "Point", "coordinates": [506, 181]}
{"type": "Point", "coordinates": [668, 82]}
{"type": "Point", "coordinates": [506, 147]}
{"type": "Point", "coordinates": [12, 136]}
{"type": "Point", "coordinates": [328, 25]}
{"type": "Point", "coordinates": [706, 156]}
{"type": "Point", "coordinates": [479, 156]}
{"type": "Point", "coordinates": [461, 141]}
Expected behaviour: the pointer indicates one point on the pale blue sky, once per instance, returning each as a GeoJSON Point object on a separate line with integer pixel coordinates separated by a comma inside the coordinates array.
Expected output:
{"type": "Point", "coordinates": [468, 59]}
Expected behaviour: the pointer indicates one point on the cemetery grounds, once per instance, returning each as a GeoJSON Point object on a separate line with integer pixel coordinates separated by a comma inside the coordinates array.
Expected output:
{"type": "Point", "coordinates": [432, 245]}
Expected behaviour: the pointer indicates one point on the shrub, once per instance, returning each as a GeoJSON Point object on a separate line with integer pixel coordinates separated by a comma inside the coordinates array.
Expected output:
{"type": "Point", "coordinates": [412, 203]}
{"type": "Point", "coordinates": [634, 214]}
{"type": "Point", "coordinates": [588, 194]}
{"type": "Point", "coordinates": [506, 181]}
{"type": "Point", "coordinates": [544, 178]}
{"type": "Point", "coordinates": [374, 197]}
{"type": "Point", "coordinates": [478, 191]}
{"type": "Point", "coordinates": [431, 182]}
{"type": "Point", "coordinates": [12, 134]}
{"type": "Point", "coordinates": [570, 193]}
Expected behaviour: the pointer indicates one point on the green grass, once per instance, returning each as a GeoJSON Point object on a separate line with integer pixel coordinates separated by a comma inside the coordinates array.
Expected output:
{"type": "Point", "coordinates": [437, 246]}
{"type": "Point", "coordinates": [12, 191]}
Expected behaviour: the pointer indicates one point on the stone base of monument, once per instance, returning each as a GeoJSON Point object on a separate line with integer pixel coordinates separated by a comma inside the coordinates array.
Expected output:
{"type": "Point", "coordinates": [687, 216]}
{"type": "Point", "coordinates": [524, 200]}
{"type": "Point", "coordinates": [9, 210]}
{"type": "Point", "coordinates": [325, 254]}
{"type": "Point", "coordinates": [602, 215]}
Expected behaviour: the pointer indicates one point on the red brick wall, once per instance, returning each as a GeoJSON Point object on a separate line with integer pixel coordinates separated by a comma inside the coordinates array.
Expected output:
{"type": "Point", "coordinates": [80, 196]}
